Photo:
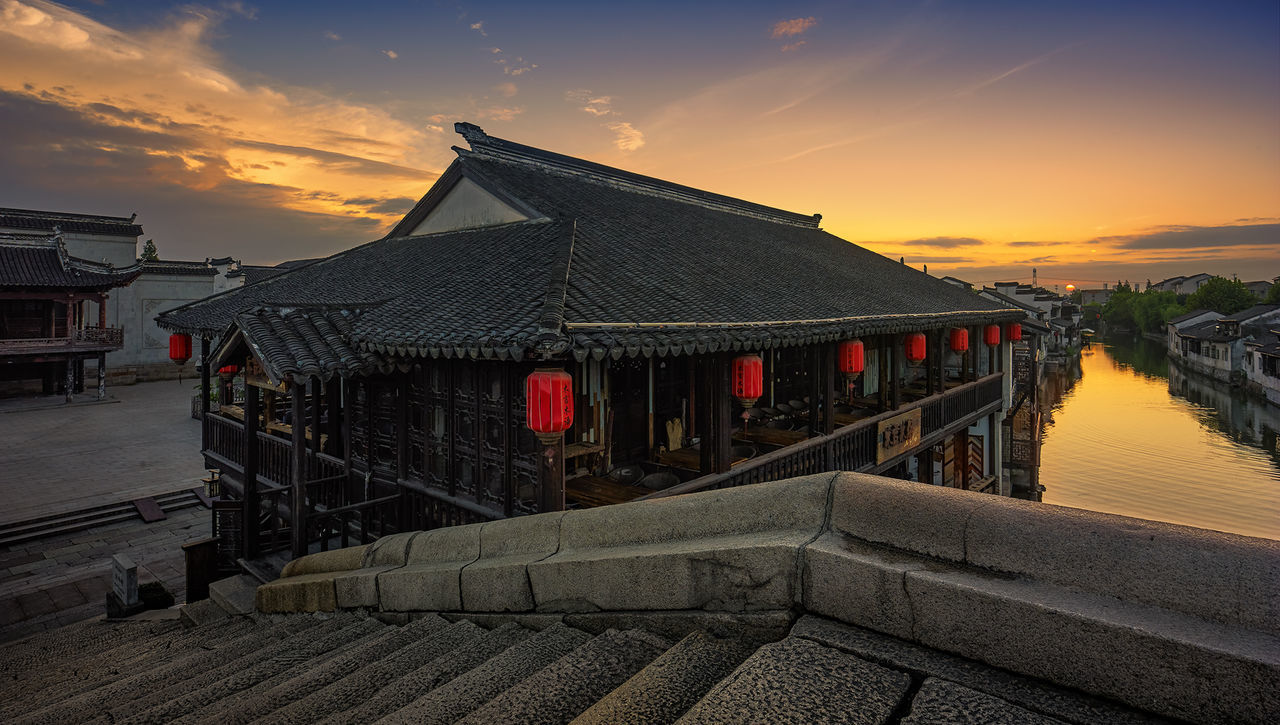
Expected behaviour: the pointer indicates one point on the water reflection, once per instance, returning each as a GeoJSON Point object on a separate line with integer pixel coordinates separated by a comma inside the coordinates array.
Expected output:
{"type": "Point", "coordinates": [1137, 436]}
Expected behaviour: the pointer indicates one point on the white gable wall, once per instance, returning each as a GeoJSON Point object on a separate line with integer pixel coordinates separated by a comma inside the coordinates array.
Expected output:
{"type": "Point", "coordinates": [467, 206]}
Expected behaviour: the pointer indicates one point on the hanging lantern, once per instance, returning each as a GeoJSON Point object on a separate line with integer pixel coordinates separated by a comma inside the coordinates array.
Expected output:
{"type": "Point", "coordinates": [851, 357]}
{"type": "Point", "coordinates": [747, 379]}
{"type": "Point", "coordinates": [915, 345]}
{"type": "Point", "coordinates": [959, 339]}
{"type": "Point", "coordinates": [991, 335]}
{"type": "Point", "coordinates": [549, 402]}
{"type": "Point", "coordinates": [228, 371]}
{"type": "Point", "coordinates": [1015, 331]}
{"type": "Point", "coordinates": [180, 348]}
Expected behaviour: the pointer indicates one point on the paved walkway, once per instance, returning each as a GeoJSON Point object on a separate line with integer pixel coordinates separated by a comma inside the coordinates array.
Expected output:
{"type": "Point", "coordinates": [54, 581]}
{"type": "Point", "coordinates": [140, 442]}
{"type": "Point", "coordinates": [64, 458]}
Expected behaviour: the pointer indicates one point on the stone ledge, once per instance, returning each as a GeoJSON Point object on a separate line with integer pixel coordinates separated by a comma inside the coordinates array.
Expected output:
{"type": "Point", "coordinates": [1175, 620]}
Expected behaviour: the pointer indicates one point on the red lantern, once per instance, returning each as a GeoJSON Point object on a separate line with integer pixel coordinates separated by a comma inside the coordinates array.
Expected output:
{"type": "Point", "coordinates": [180, 348]}
{"type": "Point", "coordinates": [228, 371]}
{"type": "Point", "coordinates": [850, 357]}
{"type": "Point", "coordinates": [959, 339]}
{"type": "Point", "coordinates": [991, 335]}
{"type": "Point", "coordinates": [916, 345]}
{"type": "Point", "coordinates": [1015, 331]}
{"type": "Point", "coordinates": [748, 379]}
{"type": "Point", "coordinates": [549, 401]}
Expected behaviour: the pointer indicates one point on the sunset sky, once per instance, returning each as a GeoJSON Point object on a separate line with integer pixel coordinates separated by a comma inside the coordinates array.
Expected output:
{"type": "Point", "coordinates": [1093, 140]}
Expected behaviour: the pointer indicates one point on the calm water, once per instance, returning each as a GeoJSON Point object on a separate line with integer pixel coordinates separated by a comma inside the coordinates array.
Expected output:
{"type": "Point", "coordinates": [1135, 436]}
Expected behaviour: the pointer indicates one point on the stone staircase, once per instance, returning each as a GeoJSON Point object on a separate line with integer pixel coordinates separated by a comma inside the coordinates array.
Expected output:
{"type": "Point", "coordinates": [355, 668]}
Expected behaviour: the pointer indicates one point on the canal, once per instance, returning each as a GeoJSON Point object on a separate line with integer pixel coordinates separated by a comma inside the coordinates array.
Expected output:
{"type": "Point", "coordinates": [1132, 434]}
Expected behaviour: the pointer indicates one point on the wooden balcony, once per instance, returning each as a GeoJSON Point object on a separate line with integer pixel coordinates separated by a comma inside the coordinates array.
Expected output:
{"type": "Point", "coordinates": [854, 447]}
{"type": "Point", "coordinates": [90, 339]}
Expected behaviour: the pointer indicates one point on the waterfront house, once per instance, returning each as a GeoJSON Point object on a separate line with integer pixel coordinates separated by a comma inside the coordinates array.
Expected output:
{"type": "Point", "coordinates": [672, 340]}
{"type": "Point", "coordinates": [1216, 347]}
{"type": "Point", "coordinates": [1181, 322]}
{"type": "Point", "coordinates": [50, 301]}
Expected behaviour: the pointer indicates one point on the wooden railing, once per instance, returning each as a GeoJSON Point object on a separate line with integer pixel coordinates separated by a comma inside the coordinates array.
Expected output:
{"type": "Point", "coordinates": [89, 337]}
{"type": "Point", "coordinates": [852, 447]}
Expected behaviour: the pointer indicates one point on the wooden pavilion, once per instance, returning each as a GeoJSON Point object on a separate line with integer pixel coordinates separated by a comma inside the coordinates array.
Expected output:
{"type": "Point", "coordinates": [384, 388]}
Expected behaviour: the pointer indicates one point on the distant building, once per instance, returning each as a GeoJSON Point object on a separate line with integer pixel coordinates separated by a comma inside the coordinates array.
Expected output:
{"type": "Point", "coordinates": [1182, 285]}
{"type": "Point", "coordinates": [53, 317]}
{"type": "Point", "coordinates": [143, 353]}
{"type": "Point", "coordinates": [958, 282]}
{"type": "Point", "coordinates": [1095, 296]}
{"type": "Point", "coordinates": [1216, 347]}
{"type": "Point", "coordinates": [1182, 322]}
{"type": "Point", "coordinates": [1259, 288]}
{"type": "Point", "coordinates": [1262, 365]}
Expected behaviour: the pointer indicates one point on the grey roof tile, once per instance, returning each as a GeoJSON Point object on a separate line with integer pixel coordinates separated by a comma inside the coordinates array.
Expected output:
{"type": "Point", "coordinates": [30, 261]}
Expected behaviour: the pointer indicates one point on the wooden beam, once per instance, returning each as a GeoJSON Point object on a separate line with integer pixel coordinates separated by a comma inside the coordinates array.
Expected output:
{"type": "Point", "coordinates": [315, 416]}
{"type": "Point", "coordinates": [298, 507]}
{"type": "Point", "coordinates": [895, 378]}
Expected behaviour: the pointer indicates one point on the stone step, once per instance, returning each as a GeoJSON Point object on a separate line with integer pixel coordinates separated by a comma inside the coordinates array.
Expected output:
{"type": "Point", "coordinates": [305, 629]}
{"type": "Point", "coordinates": [939, 702]}
{"type": "Point", "coordinates": [565, 688]}
{"type": "Point", "coordinates": [316, 677]}
{"type": "Point", "coordinates": [792, 678]}
{"type": "Point", "coordinates": [222, 691]}
{"type": "Point", "coordinates": [89, 636]}
{"type": "Point", "coordinates": [204, 611]}
{"type": "Point", "coordinates": [667, 687]}
{"type": "Point", "coordinates": [78, 672]}
{"type": "Point", "coordinates": [459, 648]}
{"type": "Point", "coordinates": [128, 683]}
{"type": "Point", "coordinates": [458, 697]}
{"type": "Point", "coordinates": [354, 689]}
{"type": "Point", "coordinates": [68, 522]}
{"type": "Point", "coordinates": [234, 594]}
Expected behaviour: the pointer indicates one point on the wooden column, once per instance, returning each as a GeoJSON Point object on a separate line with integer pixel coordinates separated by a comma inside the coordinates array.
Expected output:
{"type": "Point", "coordinates": [204, 390]}
{"type": "Point", "coordinates": [298, 499]}
{"type": "Point", "coordinates": [924, 466]}
{"type": "Point", "coordinates": [333, 406]}
{"type": "Point", "coordinates": [829, 389]}
{"type": "Point", "coordinates": [723, 415]}
{"type": "Point", "coordinates": [882, 373]}
{"type": "Point", "coordinates": [102, 312]}
{"type": "Point", "coordinates": [930, 358]}
{"type": "Point", "coordinates": [716, 414]}
{"type": "Point", "coordinates": [348, 400]}
{"type": "Point", "coordinates": [249, 459]}
{"type": "Point", "coordinates": [552, 493]}
{"type": "Point", "coordinates": [315, 416]}
{"type": "Point", "coordinates": [402, 429]}
{"type": "Point", "coordinates": [895, 377]}
{"type": "Point", "coordinates": [70, 377]}
{"type": "Point", "coordinates": [815, 387]}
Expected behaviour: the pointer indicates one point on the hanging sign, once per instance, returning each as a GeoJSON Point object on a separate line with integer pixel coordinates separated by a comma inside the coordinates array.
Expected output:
{"type": "Point", "coordinates": [897, 435]}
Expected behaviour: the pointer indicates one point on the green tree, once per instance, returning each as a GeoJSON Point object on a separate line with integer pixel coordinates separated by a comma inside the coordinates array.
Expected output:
{"type": "Point", "coordinates": [149, 252]}
{"type": "Point", "coordinates": [1221, 295]}
{"type": "Point", "coordinates": [1273, 294]}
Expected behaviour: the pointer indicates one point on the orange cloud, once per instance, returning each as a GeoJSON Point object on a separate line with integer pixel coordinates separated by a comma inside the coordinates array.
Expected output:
{"type": "Point", "coordinates": [795, 26]}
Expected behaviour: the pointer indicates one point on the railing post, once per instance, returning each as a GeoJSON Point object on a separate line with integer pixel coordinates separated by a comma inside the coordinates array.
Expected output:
{"type": "Point", "coordinates": [204, 392]}
{"type": "Point", "coordinates": [249, 461]}
{"type": "Point", "coordinates": [298, 508]}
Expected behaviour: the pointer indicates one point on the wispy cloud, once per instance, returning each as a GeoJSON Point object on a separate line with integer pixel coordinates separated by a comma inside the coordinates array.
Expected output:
{"type": "Point", "coordinates": [506, 90]}
{"type": "Point", "coordinates": [330, 35]}
{"type": "Point", "coordinates": [478, 26]}
{"type": "Point", "coordinates": [1181, 236]}
{"type": "Point", "coordinates": [794, 46]}
{"type": "Point", "coordinates": [242, 9]}
{"type": "Point", "coordinates": [391, 54]}
{"type": "Point", "coordinates": [591, 103]}
{"type": "Point", "coordinates": [943, 242]}
{"type": "Point", "coordinates": [629, 138]}
{"type": "Point", "coordinates": [793, 27]}
{"type": "Point", "coordinates": [162, 96]}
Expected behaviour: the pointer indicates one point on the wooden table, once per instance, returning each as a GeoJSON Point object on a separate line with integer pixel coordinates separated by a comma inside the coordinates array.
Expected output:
{"type": "Point", "coordinates": [772, 436]}
{"type": "Point", "coordinates": [689, 459]}
{"type": "Point", "coordinates": [596, 491]}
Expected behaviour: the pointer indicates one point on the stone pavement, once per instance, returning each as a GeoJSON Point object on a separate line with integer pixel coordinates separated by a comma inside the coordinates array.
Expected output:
{"type": "Point", "coordinates": [53, 581]}
{"type": "Point", "coordinates": [69, 457]}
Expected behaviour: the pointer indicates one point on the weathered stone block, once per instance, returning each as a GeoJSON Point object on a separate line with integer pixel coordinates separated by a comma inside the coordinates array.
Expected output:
{"type": "Point", "coordinates": [853, 582]}
{"type": "Point", "coordinates": [301, 593]}
{"type": "Point", "coordinates": [1155, 659]}
{"type": "Point", "coordinates": [945, 703]}
{"type": "Point", "coordinates": [358, 588]}
{"type": "Point", "coordinates": [1224, 577]}
{"type": "Point", "coordinates": [795, 504]}
{"type": "Point", "coordinates": [390, 550]}
{"type": "Point", "coordinates": [335, 560]}
{"type": "Point", "coordinates": [431, 581]}
{"type": "Point", "coordinates": [748, 572]}
{"type": "Point", "coordinates": [929, 520]}
{"type": "Point", "coordinates": [499, 580]}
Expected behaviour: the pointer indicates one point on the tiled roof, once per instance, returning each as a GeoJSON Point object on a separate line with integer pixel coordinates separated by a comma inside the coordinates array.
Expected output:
{"type": "Point", "coordinates": [1252, 312]}
{"type": "Point", "coordinates": [45, 221]}
{"type": "Point", "coordinates": [305, 343]}
{"type": "Point", "coordinates": [1188, 316]}
{"type": "Point", "coordinates": [613, 264]}
{"type": "Point", "coordinates": [176, 267]}
{"type": "Point", "coordinates": [39, 262]}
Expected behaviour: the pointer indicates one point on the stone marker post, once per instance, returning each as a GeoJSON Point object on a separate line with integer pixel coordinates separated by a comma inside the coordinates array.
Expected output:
{"type": "Point", "coordinates": [122, 600]}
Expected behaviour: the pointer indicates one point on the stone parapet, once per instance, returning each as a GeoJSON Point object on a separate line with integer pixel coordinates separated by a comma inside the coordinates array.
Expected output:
{"type": "Point", "coordinates": [1170, 619]}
